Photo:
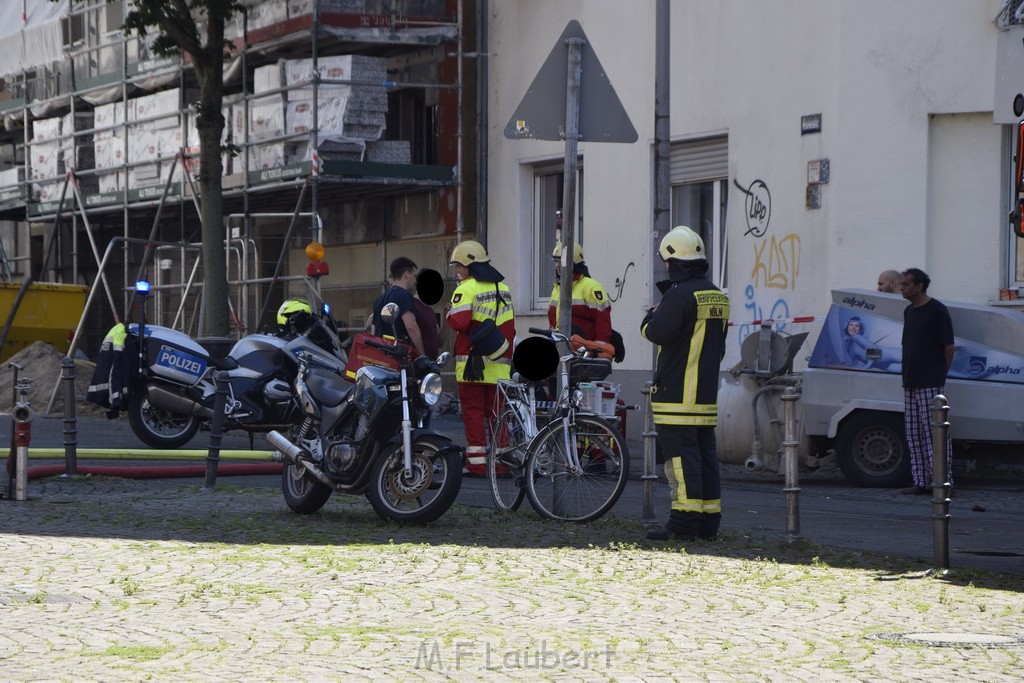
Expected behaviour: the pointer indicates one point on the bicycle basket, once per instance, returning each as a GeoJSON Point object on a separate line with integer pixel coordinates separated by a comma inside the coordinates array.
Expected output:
{"type": "Point", "coordinates": [589, 370]}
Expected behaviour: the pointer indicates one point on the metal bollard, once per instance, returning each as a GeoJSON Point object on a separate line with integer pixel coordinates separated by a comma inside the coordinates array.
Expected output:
{"type": "Point", "coordinates": [792, 446]}
{"type": "Point", "coordinates": [70, 420]}
{"type": "Point", "coordinates": [940, 486]}
{"type": "Point", "coordinates": [220, 400]}
{"type": "Point", "coordinates": [9, 465]}
{"type": "Point", "coordinates": [21, 413]}
{"type": "Point", "coordinates": [649, 477]}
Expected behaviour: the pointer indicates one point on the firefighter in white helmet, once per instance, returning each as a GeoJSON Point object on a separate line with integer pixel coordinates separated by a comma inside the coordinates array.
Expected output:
{"type": "Point", "coordinates": [483, 319]}
{"type": "Point", "coordinates": [689, 327]}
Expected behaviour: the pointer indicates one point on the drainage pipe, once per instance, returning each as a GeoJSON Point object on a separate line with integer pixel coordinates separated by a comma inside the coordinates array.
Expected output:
{"type": "Point", "coordinates": [755, 461]}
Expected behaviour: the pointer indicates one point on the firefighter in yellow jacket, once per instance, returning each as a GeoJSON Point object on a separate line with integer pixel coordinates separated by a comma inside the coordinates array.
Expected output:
{"type": "Point", "coordinates": [689, 327]}
{"type": "Point", "coordinates": [591, 310]}
{"type": "Point", "coordinates": [482, 316]}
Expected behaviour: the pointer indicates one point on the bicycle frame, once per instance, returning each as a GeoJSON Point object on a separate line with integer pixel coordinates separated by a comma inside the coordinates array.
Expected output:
{"type": "Point", "coordinates": [575, 466]}
{"type": "Point", "coordinates": [521, 397]}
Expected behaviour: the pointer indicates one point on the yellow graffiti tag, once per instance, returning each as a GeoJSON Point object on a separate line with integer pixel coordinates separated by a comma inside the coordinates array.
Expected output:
{"type": "Point", "coordinates": [781, 266]}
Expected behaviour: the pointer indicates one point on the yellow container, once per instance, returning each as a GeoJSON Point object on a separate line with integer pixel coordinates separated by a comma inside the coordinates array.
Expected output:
{"type": "Point", "coordinates": [48, 312]}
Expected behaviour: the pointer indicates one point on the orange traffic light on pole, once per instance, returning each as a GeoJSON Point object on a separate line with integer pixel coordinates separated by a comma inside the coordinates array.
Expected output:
{"type": "Point", "coordinates": [316, 267]}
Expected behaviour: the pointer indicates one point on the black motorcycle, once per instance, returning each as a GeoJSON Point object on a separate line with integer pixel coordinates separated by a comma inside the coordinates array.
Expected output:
{"type": "Point", "coordinates": [370, 437]}
{"type": "Point", "coordinates": [171, 388]}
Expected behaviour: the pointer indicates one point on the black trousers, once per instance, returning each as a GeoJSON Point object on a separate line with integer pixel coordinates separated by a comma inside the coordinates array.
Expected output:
{"type": "Point", "coordinates": [692, 470]}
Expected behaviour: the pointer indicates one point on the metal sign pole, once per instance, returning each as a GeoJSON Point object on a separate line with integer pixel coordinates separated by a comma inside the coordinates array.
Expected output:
{"type": "Point", "coordinates": [571, 165]}
{"type": "Point", "coordinates": [572, 123]}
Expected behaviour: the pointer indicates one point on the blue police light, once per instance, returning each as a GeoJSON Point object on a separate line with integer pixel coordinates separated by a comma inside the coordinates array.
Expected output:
{"type": "Point", "coordinates": [142, 287]}
{"type": "Point", "coordinates": [327, 309]}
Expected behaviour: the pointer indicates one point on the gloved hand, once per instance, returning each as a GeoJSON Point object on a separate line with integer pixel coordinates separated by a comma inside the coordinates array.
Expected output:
{"type": "Point", "coordinates": [474, 371]}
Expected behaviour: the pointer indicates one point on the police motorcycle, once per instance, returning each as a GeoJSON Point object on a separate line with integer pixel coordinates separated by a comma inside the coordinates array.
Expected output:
{"type": "Point", "coordinates": [369, 436]}
{"type": "Point", "coordinates": [171, 388]}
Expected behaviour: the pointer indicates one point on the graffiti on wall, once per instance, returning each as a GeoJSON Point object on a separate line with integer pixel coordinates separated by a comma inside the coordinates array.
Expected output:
{"type": "Point", "coordinates": [776, 262]}
{"type": "Point", "coordinates": [620, 283]}
{"type": "Point", "coordinates": [758, 205]}
{"type": "Point", "coordinates": [753, 309]}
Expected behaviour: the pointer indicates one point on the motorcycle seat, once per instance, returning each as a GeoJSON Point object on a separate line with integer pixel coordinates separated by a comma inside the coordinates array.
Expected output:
{"type": "Point", "coordinates": [225, 363]}
{"type": "Point", "coordinates": [326, 388]}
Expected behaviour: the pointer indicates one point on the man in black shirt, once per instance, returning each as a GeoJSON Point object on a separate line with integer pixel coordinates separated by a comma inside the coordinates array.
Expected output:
{"type": "Point", "coordinates": [927, 355]}
{"type": "Point", "coordinates": [403, 281]}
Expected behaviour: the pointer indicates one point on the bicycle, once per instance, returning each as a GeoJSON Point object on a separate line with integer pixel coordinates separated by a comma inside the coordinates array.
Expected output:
{"type": "Point", "coordinates": [575, 467]}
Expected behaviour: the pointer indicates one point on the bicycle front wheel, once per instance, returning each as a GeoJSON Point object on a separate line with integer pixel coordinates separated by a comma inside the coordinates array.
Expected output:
{"type": "Point", "coordinates": [506, 456]}
{"type": "Point", "coordinates": [583, 488]}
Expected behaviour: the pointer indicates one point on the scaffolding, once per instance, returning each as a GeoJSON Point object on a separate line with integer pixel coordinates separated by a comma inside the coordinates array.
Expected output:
{"type": "Point", "coordinates": [347, 114]}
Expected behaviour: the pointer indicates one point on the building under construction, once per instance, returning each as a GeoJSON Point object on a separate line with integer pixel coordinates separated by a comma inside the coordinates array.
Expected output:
{"type": "Point", "coordinates": [349, 122]}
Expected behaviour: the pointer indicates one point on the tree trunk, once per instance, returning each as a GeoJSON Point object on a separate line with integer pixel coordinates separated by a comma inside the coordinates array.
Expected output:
{"type": "Point", "coordinates": [210, 126]}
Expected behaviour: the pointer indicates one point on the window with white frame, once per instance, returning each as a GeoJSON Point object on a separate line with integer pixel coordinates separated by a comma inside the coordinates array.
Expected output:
{"type": "Point", "coordinates": [548, 188]}
{"type": "Point", "coordinates": [699, 178]}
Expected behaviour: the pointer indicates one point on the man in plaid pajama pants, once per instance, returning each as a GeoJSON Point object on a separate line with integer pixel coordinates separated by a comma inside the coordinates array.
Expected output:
{"type": "Point", "coordinates": [927, 355]}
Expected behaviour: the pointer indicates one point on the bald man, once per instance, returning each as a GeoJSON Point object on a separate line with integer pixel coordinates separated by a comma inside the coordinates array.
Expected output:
{"type": "Point", "coordinates": [889, 281]}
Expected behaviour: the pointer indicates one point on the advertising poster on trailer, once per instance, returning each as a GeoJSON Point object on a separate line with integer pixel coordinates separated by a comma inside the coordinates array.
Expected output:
{"type": "Point", "coordinates": [858, 339]}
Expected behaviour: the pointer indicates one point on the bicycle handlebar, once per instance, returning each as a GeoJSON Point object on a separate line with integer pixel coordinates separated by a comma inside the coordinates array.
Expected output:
{"type": "Point", "coordinates": [554, 335]}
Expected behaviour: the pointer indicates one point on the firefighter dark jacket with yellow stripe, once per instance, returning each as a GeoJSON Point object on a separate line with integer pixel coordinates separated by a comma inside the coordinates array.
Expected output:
{"type": "Point", "coordinates": [689, 327]}
{"type": "Point", "coordinates": [109, 385]}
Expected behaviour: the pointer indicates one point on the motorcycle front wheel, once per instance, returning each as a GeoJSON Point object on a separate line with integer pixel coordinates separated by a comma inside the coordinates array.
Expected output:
{"type": "Point", "coordinates": [302, 492]}
{"type": "Point", "coordinates": [428, 493]}
{"type": "Point", "coordinates": [159, 428]}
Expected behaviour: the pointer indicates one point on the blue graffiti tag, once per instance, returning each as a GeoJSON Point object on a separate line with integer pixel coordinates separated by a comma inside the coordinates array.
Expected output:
{"type": "Point", "coordinates": [779, 309]}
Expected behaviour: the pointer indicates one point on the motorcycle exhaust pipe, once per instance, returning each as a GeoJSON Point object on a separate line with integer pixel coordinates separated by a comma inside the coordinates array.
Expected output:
{"type": "Point", "coordinates": [294, 455]}
{"type": "Point", "coordinates": [163, 399]}
{"type": "Point", "coordinates": [292, 452]}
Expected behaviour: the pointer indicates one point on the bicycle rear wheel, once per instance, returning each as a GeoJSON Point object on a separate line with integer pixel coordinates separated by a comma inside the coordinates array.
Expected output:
{"type": "Point", "coordinates": [506, 456]}
{"type": "Point", "coordinates": [556, 488]}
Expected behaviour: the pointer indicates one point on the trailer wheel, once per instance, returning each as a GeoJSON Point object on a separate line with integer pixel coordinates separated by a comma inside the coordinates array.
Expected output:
{"type": "Point", "coordinates": [872, 450]}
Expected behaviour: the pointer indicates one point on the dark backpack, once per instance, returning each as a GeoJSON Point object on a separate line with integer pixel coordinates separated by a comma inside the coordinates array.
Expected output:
{"type": "Point", "coordinates": [620, 348]}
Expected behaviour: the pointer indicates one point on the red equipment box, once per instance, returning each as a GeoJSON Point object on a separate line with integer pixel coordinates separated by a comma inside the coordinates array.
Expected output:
{"type": "Point", "coordinates": [361, 354]}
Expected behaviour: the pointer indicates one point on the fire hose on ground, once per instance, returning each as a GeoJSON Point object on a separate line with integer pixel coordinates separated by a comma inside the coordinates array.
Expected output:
{"type": "Point", "coordinates": [20, 473]}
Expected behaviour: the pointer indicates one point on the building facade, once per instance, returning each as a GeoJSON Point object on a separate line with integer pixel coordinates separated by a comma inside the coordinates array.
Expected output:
{"type": "Point", "coordinates": [813, 145]}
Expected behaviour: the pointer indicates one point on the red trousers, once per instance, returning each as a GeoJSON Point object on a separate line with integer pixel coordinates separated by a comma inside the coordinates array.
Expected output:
{"type": "Point", "coordinates": [476, 400]}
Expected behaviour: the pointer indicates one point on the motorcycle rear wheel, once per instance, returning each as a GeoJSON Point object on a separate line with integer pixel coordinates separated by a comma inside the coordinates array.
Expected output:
{"type": "Point", "coordinates": [159, 428]}
{"type": "Point", "coordinates": [302, 492]}
{"type": "Point", "coordinates": [433, 487]}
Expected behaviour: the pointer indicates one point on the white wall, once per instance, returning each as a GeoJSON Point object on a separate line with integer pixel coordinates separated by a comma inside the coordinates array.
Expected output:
{"type": "Point", "coordinates": [907, 188]}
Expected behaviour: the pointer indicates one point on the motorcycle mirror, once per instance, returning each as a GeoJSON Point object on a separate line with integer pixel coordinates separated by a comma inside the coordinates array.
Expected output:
{"type": "Point", "coordinates": [389, 312]}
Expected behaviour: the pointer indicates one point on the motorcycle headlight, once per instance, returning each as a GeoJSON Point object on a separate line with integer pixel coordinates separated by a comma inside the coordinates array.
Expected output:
{"type": "Point", "coordinates": [430, 389]}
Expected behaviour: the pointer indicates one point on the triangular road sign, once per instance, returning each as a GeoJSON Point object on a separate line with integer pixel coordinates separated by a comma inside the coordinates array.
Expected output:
{"type": "Point", "coordinates": [541, 114]}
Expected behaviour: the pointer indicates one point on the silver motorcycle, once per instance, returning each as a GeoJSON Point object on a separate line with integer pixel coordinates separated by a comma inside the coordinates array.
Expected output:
{"type": "Point", "coordinates": [370, 436]}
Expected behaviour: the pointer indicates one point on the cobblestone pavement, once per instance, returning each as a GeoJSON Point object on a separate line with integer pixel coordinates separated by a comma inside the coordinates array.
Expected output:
{"type": "Point", "coordinates": [110, 580]}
